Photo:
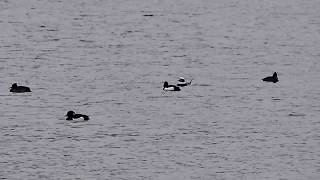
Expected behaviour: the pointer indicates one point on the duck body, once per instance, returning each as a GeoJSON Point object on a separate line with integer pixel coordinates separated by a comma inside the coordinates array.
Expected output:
{"type": "Point", "coordinates": [19, 89]}
{"type": "Point", "coordinates": [182, 82]}
{"type": "Point", "coordinates": [71, 115]}
{"type": "Point", "coordinates": [167, 87]}
{"type": "Point", "coordinates": [273, 78]}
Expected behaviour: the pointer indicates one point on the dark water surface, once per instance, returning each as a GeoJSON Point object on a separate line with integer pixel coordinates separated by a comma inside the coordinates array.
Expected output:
{"type": "Point", "coordinates": [108, 59]}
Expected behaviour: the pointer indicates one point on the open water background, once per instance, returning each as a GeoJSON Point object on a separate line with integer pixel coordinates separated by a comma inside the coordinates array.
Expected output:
{"type": "Point", "coordinates": [109, 59]}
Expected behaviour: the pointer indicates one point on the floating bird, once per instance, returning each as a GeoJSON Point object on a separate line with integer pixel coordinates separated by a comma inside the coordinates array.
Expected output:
{"type": "Point", "coordinates": [167, 87]}
{"type": "Point", "coordinates": [182, 82]}
{"type": "Point", "coordinates": [72, 115]}
{"type": "Point", "coordinates": [273, 78]}
{"type": "Point", "coordinates": [19, 89]}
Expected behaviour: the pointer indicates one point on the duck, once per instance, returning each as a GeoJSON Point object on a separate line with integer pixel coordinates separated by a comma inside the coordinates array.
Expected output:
{"type": "Point", "coordinates": [167, 87]}
{"type": "Point", "coordinates": [72, 115]}
{"type": "Point", "coordinates": [273, 78]}
{"type": "Point", "coordinates": [19, 89]}
{"type": "Point", "coordinates": [182, 82]}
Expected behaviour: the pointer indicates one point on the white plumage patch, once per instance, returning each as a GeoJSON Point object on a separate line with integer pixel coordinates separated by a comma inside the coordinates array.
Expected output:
{"type": "Point", "coordinates": [169, 89]}
{"type": "Point", "coordinates": [182, 83]}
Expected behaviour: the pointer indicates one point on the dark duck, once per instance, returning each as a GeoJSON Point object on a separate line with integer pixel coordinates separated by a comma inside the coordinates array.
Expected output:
{"type": "Point", "coordinates": [71, 115]}
{"type": "Point", "coordinates": [182, 82]}
{"type": "Point", "coordinates": [167, 87]}
{"type": "Point", "coordinates": [273, 78]}
{"type": "Point", "coordinates": [19, 89]}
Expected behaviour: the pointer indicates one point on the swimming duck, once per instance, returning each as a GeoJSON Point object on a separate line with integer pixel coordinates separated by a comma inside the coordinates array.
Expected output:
{"type": "Point", "coordinates": [273, 78]}
{"type": "Point", "coordinates": [19, 89]}
{"type": "Point", "coordinates": [72, 115]}
{"type": "Point", "coordinates": [167, 87]}
{"type": "Point", "coordinates": [182, 82]}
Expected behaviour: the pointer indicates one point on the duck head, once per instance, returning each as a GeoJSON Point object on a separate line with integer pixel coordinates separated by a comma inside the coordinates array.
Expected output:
{"type": "Point", "coordinates": [70, 114]}
{"type": "Point", "coordinates": [165, 84]}
{"type": "Point", "coordinates": [181, 79]}
{"type": "Point", "coordinates": [275, 74]}
{"type": "Point", "coordinates": [14, 85]}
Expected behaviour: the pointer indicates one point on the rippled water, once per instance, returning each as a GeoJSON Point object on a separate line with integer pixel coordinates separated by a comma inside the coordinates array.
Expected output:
{"type": "Point", "coordinates": [108, 59]}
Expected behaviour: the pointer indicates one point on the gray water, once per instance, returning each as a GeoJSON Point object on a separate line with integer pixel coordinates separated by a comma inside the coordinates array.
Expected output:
{"type": "Point", "coordinates": [109, 59]}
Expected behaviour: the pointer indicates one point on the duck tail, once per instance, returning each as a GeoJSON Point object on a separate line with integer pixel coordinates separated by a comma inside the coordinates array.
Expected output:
{"type": "Point", "coordinates": [85, 117]}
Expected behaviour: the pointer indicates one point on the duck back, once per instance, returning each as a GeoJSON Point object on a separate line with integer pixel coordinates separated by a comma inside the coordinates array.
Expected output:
{"type": "Point", "coordinates": [273, 78]}
{"type": "Point", "coordinates": [20, 89]}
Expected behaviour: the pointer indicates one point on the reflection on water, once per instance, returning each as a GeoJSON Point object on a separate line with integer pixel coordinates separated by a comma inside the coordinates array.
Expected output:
{"type": "Point", "coordinates": [109, 59]}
